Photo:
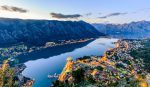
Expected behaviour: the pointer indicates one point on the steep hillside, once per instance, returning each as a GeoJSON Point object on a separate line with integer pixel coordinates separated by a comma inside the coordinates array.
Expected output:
{"type": "Point", "coordinates": [40, 31]}
{"type": "Point", "coordinates": [132, 30]}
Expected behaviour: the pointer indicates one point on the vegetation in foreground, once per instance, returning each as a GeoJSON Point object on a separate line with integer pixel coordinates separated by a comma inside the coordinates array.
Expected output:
{"type": "Point", "coordinates": [7, 78]}
{"type": "Point", "coordinates": [10, 76]}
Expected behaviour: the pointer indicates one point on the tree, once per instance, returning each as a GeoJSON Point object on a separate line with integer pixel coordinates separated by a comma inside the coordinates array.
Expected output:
{"type": "Point", "coordinates": [90, 79]}
{"type": "Point", "coordinates": [78, 75]}
{"type": "Point", "coordinates": [6, 75]}
{"type": "Point", "coordinates": [99, 68]}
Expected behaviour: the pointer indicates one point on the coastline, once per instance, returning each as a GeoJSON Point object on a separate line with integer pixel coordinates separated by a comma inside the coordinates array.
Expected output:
{"type": "Point", "coordinates": [30, 80]}
{"type": "Point", "coordinates": [16, 50]}
{"type": "Point", "coordinates": [27, 81]}
{"type": "Point", "coordinates": [95, 61]}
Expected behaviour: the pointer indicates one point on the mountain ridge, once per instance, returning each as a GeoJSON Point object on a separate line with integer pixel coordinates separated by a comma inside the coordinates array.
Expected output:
{"type": "Point", "coordinates": [133, 30]}
{"type": "Point", "coordinates": [34, 32]}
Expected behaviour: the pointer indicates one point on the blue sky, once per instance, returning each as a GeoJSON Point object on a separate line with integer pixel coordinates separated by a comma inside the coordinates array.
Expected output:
{"type": "Point", "coordinates": [93, 11]}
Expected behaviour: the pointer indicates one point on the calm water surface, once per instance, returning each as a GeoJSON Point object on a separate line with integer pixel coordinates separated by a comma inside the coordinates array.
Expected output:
{"type": "Point", "coordinates": [52, 60]}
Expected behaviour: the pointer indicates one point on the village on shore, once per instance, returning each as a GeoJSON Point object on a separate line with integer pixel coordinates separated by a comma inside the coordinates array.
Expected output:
{"type": "Point", "coordinates": [115, 68]}
{"type": "Point", "coordinates": [13, 51]}
{"type": "Point", "coordinates": [11, 69]}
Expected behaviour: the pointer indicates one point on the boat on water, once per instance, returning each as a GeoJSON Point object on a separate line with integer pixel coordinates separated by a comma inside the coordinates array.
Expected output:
{"type": "Point", "coordinates": [53, 76]}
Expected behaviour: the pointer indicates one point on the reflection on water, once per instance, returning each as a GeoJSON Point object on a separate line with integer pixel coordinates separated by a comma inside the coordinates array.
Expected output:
{"type": "Point", "coordinates": [52, 60]}
{"type": "Point", "coordinates": [49, 52]}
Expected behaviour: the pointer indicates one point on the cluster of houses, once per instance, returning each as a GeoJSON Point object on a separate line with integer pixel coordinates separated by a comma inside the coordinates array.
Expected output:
{"type": "Point", "coordinates": [116, 65]}
{"type": "Point", "coordinates": [12, 52]}
{"type": "Point", "coordinates": [64, 42]}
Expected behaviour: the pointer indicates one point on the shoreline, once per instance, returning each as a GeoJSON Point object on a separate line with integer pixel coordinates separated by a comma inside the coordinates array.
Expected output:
{"type": "Point", "coordinates": [30, 80]}
{"type": "Point", "coordinates": [79, 42]}
{"type": "Point", "coordinates": [95, 61]}
{"type": "Point", "coordinates": [16, 50]}
{"type": "Point", "coordinates": [74, 42]}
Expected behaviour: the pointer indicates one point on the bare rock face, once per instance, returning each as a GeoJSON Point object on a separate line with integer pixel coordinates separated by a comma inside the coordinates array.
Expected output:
{"type": "Point", "coordinates": [14, 31]}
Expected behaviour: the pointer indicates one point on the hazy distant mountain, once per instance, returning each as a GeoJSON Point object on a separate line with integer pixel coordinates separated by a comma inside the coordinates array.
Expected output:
{"type": "Point", "coordinates": [132, 30]}
{"type": "Point", "coordinates": [41, 31]}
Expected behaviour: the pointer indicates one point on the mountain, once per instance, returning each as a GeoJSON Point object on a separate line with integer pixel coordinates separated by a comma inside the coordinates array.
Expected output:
{"type": "Point", "coordinates": [38, 32]}
{"type": "Point", "coordinates": [131, 30]}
